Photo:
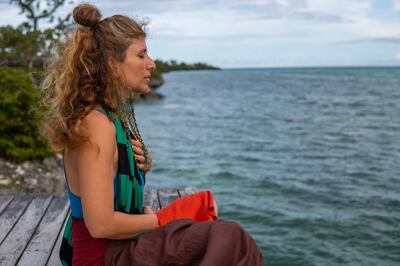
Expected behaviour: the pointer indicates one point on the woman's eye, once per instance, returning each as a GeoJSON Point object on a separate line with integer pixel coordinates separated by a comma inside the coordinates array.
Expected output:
{"type": "Point", "coordinates": [141, 56]}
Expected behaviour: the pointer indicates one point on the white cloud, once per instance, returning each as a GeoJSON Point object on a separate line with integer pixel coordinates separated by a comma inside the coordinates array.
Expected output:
{"type": "Point", "coordinates": [9, 15]}
{"type": "Point", "coordinates": [348, 9]}
{"type": "Point", "coordinates": [281, 29]}
{"type": "Point", "coordinates": [396, 5]}
{"type": "Point", "coordinates": [283, 3]}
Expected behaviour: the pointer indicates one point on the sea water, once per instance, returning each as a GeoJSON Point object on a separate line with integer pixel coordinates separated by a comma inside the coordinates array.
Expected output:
{"type": "Point", "coordinates": [307, 160]}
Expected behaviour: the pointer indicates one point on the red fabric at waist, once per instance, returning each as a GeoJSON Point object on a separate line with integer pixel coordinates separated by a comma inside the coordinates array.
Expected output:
{"type": "Point", "coordinates": [86, 249]}
{"type": "Point", "coordinates": [198, 207]}
{"type": "Point", "coordinates": [90, 251]}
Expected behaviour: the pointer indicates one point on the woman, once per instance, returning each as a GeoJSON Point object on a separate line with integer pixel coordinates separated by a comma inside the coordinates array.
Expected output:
{"type": "Point", "coordinates": [105, 160]}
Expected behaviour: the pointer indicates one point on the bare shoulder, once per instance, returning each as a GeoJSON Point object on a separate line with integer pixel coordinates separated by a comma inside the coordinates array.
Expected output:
{"type": "Point", "coordinates": [98, 125]}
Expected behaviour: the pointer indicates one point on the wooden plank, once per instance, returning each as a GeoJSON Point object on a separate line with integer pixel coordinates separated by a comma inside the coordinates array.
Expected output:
{"type": "Point", "coordinates": [40, 246]}
{"type": "Point", "coordinates": [54, 258]}
{"type": "Point", "coordinates": [150, 198]}
{"type": "Point", "coordinates": [187, 191]}
{"type": "Point", "coordinates": [4, 201]}
{"type": "Point", "coordinates": [11, 214]}
{"type": "Point", "coordinates": [166, 196]}
{"type": "Point", "coordinates": [16, 241]}
{"type": "Point", "coordinates": [31, 230]}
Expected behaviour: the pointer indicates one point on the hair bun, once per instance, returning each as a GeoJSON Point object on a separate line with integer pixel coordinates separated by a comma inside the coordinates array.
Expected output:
{"type": "Point", "coordinates": [86, 15]}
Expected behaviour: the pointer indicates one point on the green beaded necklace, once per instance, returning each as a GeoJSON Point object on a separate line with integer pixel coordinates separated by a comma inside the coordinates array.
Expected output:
{"type": "Point", "coordinates": [128, 118]}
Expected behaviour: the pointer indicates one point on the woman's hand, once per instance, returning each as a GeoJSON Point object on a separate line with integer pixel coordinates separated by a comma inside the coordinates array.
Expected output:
{"type": "Point", "coordinates": [147, 210]}
{"type": "Point", "coordinates": [139, 156]}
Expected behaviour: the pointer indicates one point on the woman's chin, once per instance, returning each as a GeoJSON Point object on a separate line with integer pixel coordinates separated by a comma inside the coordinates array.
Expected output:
{"type": "Point", "coordinates": [147, 89]}
{"type": "Point", "coordinates": [142, 90]}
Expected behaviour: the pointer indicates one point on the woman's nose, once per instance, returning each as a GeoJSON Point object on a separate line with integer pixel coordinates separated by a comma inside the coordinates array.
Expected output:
{"type": "Point", "coordinates": [151, 64]}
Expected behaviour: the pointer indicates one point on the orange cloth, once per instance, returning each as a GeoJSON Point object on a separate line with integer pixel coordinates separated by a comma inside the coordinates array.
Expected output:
{"type": "Point", "coordinates": [198, 207]}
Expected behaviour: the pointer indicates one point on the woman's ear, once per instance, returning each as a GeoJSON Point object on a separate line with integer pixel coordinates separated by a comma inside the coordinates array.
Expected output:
{"type": "Point", "coordinates": [113, 65]}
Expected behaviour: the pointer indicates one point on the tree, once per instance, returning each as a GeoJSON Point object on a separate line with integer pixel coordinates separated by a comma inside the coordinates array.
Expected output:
{"type": "Point", "coordinates": [34, 11]}
{"type": "Point", "coordinates": [173, 65]}
{"type": "Point", "coordinates": [25, 48]}
{"type": "Point", "coordinates": [20, 47]}
{"type": "Point", "coordinates": [27, 45]}
{"type": "Point", "coordinates": [19, 116]}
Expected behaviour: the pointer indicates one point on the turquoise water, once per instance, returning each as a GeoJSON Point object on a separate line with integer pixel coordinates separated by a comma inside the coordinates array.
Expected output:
{"type": "Point", "coordinates": [307, 160]}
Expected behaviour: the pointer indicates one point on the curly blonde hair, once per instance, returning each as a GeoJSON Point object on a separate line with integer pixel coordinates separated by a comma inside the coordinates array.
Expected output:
{"type": "Point", "coordinates": [79, 77]}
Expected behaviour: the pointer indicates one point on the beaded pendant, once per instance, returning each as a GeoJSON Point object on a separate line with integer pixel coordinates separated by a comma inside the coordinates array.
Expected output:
{"type": "Point", "coordinates": [129, 122]}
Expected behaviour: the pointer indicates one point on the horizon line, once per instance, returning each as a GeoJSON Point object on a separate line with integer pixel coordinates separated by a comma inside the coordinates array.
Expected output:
{"type": "Point", "coordinates": [316, 66]}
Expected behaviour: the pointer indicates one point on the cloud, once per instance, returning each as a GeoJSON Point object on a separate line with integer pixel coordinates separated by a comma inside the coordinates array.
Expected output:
{"type": "Point", "coordinates": [259, 32]}
{"type": "Point", "coordinates": [323, 11]}
{"type": "Point", "coordinates": [9, 14]}
{"type": "Point", "coordinates": [389, 40]}
{"type": "Point", "coordinates": [347, 10]}
{"type": "Point", "coordinates": [320, 16]}
{"type": "Point", "coordinates": [397, 57]}
{"type": "Point", "coordinates": [269, 2]}
{"type": "Point", "coordinates": [396, 5]}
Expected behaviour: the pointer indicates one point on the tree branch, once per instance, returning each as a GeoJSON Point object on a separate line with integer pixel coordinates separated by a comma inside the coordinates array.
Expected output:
{"type": "Point", "coordinates": [46, 13]}
{"type": "Point", "coordinates": [27, 6]}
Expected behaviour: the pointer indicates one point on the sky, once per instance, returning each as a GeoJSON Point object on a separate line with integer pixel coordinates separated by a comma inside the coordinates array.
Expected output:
{"type": "Point", "coordinates": [260, 33]}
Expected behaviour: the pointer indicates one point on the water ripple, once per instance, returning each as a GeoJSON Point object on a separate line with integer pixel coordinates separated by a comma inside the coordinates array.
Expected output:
{"type": "Point", "coordinates": [306, 160]}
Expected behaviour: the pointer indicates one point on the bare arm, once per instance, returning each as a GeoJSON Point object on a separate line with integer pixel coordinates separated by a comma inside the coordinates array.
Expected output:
{"type": "Point", "coordinates": [95, 173]}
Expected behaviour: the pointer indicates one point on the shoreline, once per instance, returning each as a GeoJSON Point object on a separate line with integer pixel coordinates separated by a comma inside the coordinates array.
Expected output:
{"type": "Point", "coordinates": [32, 177]}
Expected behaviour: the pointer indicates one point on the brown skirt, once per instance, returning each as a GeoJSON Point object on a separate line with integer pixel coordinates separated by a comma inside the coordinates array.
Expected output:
{"type": "Point", "coordinates": [186, 242]}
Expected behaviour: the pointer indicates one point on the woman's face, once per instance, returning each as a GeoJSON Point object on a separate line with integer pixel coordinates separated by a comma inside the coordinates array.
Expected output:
{"type": "Point", "coordinates": [137, 66]}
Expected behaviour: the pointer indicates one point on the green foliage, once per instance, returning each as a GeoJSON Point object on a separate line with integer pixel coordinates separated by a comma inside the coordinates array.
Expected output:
{"type": "Point", "coordinates": [173, 65]}
{"type": "Point", "coordinates": [26, 45]}
{"type": "Point", "coordinates": [22, 47]}
{"type": "Point", "coordinates": [156, 74]}
{"type": "Point", "coordinates": [17, 46]}
{"type": "Point", "coordinates": [19, 118]}
{"type": "Point", "coordinates": [23, 50]}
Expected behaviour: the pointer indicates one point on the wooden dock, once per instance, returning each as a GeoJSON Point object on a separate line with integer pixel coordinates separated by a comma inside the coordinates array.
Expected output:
{"type": "Point", "coordinates": [31, 227]}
